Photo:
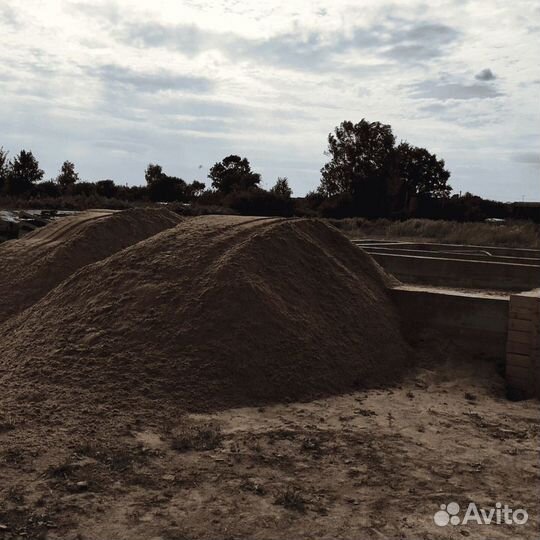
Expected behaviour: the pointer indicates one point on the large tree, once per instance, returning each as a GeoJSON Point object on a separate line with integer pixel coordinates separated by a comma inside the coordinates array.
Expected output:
{"type": "Point", "coordinates": [281, 188]}
{"type": "Point", "coordinates": [233, 173]}
{"type": "Point", "coordinates": [422, 173]}
{"type": "Point", "coordinates": [361, 163]}
{"type": "Point", "coordinates": [368, 175]}
{"type": "Point", "coordinates": [165, 188]}
{"type": "Point", "coordinates": [106, 188]}
{"type": "Point", "coordinates": [67, 176]}
{"type": "Point", "coordinates": [23, 173]}
{"type": "Point", "coordinates": [195, 189]}
{"type": "Point", "coordinates": [153, 173]}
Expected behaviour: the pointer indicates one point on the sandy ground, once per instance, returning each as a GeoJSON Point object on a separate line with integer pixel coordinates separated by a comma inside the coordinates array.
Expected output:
{"type": "Point", "coordinates": [33, 265]}
{"type": "Point", "coordinates": [373, 464]}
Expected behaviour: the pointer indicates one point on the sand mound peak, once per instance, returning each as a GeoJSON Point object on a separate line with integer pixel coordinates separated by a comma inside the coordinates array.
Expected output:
{"type": "Point", "coordinates": [218, 311]}
{"type": "Point", "coordinates": [33, 265]}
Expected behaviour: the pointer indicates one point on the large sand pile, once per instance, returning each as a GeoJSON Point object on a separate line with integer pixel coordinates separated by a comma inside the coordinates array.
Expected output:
{"type": "Point", "coordinates": [35, 264]}
{"type": "Point", "coordinates": [218, 311]}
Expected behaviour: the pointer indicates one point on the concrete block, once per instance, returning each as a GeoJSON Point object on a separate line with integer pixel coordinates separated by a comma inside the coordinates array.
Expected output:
{"type": "Point", "coordinates": [521, 325]}
{"type": "Point", "coordinates": [518, 348]}
{"type": "Point", "coordinates": [522, 314]}
{"type": "Point", "coordinates": [519, 372]}
{"type": "Point", "coordinates": [523, 345]}
{"type": "Point", "coordinates": [529, 303]}
{"type": "Point", "coordinates": [520, 360]}
{"type": "Point", "coordinates": [520, 337]}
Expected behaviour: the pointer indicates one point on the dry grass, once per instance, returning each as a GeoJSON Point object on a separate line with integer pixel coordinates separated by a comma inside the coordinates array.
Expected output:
{"type": "Point", "coordinates": [7, 423]}
{"type": "Point", "coordinates": [521, 234]}
{"type": "Point", "coordinates": [292, 499]}
{"type": "Point", "coordinates": [205, 436]}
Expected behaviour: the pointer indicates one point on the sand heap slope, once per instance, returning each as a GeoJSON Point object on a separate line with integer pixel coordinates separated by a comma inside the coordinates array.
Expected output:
{"type": "Point", "coordinates": [218, 311]}
{"type": "Point", "coordinates": [32, 266]}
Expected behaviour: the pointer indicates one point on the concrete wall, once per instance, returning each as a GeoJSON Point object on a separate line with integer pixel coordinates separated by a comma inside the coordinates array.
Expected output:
{"type": "Point", "coordinates": [523, 345]}
{"type": "Point", "coordinates": [461, 248]}
{"type": "Point", "coordinates": [448, 272]}
{"type": "Point", "coordinates": [384, 250]}
{"type": "Point", "coordinates": [477, 322]}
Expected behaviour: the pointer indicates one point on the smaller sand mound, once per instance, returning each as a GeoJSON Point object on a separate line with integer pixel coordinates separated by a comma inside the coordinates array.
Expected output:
{"type": "Point", "coordinates": [31, 266]}
{"type": "Point", "coordinates": [219, 311]}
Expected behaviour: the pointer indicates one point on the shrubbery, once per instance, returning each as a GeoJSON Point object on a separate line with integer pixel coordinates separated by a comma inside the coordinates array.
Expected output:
{"type": "Point", "coordinates": [367, 176]}
{"type": "Point", "coordinates": [511, 233]}
{"type": "Point", "coordinates": [258, 202]}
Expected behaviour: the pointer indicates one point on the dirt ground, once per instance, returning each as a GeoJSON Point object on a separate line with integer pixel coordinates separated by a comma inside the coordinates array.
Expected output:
{"type": "Point", "coordinates": [372, 464]}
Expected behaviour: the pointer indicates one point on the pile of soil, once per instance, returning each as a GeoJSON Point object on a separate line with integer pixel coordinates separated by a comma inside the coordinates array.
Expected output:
{"type": "Point", "coordinates": [33, 265]}
{"type": "Point", "coordinates": [218, 311]}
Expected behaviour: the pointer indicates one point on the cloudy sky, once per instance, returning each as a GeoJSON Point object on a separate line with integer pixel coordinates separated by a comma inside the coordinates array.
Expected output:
{"type": "Point", "coordinates": [114, 85]}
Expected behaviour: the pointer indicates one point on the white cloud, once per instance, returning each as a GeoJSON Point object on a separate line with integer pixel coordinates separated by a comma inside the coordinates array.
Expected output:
{"type": "Point", "coordinates": [185, 83]}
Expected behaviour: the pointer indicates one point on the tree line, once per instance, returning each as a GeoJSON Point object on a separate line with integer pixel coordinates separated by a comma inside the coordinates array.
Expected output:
{"type": "Point", "coordinates": [367, 174]}
{"type": "Point", "coordinates": [233, 184]}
